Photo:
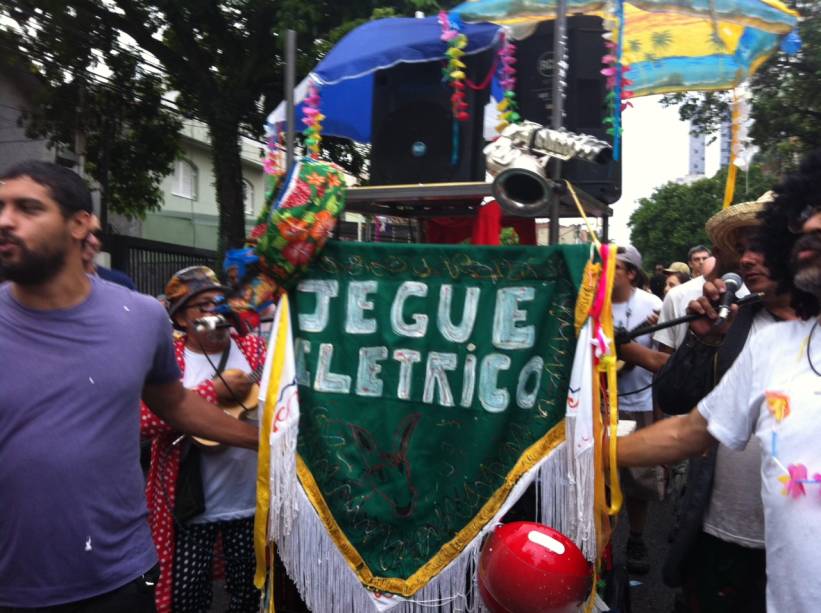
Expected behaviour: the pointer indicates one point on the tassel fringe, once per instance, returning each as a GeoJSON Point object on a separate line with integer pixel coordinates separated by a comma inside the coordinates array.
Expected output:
{"type": "Point", "coordinates": [567, 497]}
{"type": "Point", "coordinates": [284, 488]}
{"type": "Point", "coordinates": [328, 584]}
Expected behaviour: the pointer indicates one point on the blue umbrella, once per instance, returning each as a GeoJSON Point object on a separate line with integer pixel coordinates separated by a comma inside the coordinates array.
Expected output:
{"type": "Point", "coordinates": [345, 75]}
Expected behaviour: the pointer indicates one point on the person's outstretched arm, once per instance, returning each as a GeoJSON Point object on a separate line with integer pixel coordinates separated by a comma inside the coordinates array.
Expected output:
{"type": "Point", "coordinates": [190, 413]}
{"type": "Point", "coordinates": [647, 358]}
{"type": "Point", "coordinates": [666, 441]}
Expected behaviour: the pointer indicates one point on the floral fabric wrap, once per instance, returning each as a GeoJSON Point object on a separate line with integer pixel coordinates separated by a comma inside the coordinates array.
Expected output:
{"type": "Point", "coordinates": [292, 229]}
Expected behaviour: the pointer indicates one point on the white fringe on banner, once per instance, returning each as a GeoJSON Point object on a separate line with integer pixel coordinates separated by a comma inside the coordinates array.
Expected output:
{"type": "Point", "coordinates": [564, 501]}
{"type": "Point", "coordinates": [575, 518]}
{"type": "Point", "coordinates": [284, 507]}
{"type": "Point", "coordinates": [328, 585]}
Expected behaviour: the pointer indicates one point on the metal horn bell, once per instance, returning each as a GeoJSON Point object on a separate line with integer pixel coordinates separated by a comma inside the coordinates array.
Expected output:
{"type": "Point", "coordinates": [517, 160]}
{"type": "Point", "coordinates": [523, 189]}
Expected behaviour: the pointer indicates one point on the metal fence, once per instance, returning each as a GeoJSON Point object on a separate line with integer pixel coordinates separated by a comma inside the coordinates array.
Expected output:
{"type": "Point", "coordinates": [151, 263]}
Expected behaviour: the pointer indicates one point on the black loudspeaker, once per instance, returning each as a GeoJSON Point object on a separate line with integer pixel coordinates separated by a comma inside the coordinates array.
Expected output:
{"type": "Point", "coordinates": [585, 93]}
{"type": "Point", "coordinates": [413, 127]}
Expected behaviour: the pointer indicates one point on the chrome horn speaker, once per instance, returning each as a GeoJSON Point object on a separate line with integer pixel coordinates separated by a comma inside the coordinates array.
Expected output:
{"type": "Point", "coordinates": [518, 158]}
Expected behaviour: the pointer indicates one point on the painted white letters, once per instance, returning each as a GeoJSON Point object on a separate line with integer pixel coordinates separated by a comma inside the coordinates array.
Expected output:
{"type": "Point", "coordinates": [506, 334]}
{"type": "Point", "coordinates": [325, 289]}
{"type": "Point", "coordinates": [357, 304]}
{"type": "Point", "coordinates": [449, 330]}
{"type": "Point", "coordinates": [419, 327]}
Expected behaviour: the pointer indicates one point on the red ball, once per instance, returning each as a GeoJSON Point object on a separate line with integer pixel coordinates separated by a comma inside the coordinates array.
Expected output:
{"type": "Point", "coordinates": [527, 567]}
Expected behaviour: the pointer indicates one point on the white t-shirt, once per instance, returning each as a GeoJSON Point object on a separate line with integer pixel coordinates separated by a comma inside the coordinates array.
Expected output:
{"type": "Point", "coordinates": [674, 306]}
{"type": "Point", "coordinates": [773, 371]}
{"type": "Point", "coordinates": [229, 474]}
{"type": "Point", "coordinates": [630, 315]}
{"type": "Point", "coordinates": [736, 513]}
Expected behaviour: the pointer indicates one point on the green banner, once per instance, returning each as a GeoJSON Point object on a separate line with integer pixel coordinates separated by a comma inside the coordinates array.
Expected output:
{"type": "Point", "coordinates": [430, 378]}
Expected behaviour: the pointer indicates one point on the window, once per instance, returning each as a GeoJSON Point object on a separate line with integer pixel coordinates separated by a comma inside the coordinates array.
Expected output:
{"type": "Point", "coordinates": [248, 196]}
{"type": "Point", "coordinates": [184, 181]}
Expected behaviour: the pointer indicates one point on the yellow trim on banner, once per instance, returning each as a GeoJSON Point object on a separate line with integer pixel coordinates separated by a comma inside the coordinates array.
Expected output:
{"type": "Point", "coordinates": [600, 510]}
{"type": "Point", "coordinates": [272, 551]}
{"type": "Point", "coordinates": [264, 455]}
{"type": "Point", "coordinates": [587, 294]}
{"type": "Point", "coordinates": [450, 550]}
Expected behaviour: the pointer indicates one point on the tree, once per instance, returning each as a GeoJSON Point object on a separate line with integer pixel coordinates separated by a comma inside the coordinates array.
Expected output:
{"type": "Point", "coordinates": [224, 58]}
{"type": "Point", "coordinates": [786, 104]}
{"type": "Point", "coordinates": [131, 139]}
{"type": "Point", "coordinates": [671, 220]}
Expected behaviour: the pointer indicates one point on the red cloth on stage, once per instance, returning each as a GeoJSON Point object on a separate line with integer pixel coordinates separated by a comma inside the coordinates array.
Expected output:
{"type": "Point", "coordinates": [483, 229]}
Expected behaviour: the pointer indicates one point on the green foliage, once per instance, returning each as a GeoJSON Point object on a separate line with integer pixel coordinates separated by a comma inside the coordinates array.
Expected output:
{"type": "Point", "coordinates": [131, 139]}
{"type": "Point", "coordinates": [225, 59]}
{"type": "Point", "coordinates": [786, 104]}
{"type": "Point", "coordinates": [671, 220]}
{"type": "Point", "coordinates": [508, 236]}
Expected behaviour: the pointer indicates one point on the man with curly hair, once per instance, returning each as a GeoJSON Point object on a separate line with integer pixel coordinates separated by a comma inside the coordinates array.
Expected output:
{"type": "Point", "coordinates": [772, 392]}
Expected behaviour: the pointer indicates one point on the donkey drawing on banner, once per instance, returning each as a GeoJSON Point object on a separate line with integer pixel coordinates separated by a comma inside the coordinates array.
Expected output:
{"type": "Point", "coordinates": [386, 469]}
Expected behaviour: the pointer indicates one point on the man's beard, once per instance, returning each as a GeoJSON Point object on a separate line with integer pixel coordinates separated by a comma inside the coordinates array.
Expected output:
{"type": "Point", "coordinates": [33, 268]}
{"type": "Point", "coordinates": [807, 273]}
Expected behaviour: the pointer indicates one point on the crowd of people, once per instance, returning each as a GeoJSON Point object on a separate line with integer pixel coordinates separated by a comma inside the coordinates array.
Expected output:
{"type": "Point", "coordinates": [744, 393]}
{"type": "Point", "coordinates": [91, 366]}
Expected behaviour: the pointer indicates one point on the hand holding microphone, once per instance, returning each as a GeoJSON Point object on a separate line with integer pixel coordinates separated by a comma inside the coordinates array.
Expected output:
{"type": "Point", "coordinates": [732, 283]}
{"type": "Point", "coordinates": [716, 305]}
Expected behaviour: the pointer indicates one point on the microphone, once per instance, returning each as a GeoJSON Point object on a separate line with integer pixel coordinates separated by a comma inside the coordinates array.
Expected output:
{"type": "Point", "coordinates": [732, 282]}
{"type": "Point", "coordinates": [211, 322]}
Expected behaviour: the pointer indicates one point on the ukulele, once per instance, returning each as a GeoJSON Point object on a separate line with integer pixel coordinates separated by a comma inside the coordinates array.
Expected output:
{"type": "Point", "coordinates": [236, 408]}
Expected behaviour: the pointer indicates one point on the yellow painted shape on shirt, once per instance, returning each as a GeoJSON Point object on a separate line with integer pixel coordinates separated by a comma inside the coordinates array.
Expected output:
{"type": "Point", "coordinates": [779, 405]}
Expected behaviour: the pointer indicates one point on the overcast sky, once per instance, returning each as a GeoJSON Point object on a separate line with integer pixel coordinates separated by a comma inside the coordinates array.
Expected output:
{"type": "Point", "coordinates": [655, 150]}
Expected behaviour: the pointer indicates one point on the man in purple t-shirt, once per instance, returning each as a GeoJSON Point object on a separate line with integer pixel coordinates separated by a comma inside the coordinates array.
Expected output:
{"type": "Point", "coordinates": [78, 354]}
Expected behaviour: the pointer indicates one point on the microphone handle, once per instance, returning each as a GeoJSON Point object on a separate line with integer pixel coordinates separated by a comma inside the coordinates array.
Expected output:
{"type": "Point", "coordinates": [723, 315]}
{"type": "Point", "coordinates": [642, 330]}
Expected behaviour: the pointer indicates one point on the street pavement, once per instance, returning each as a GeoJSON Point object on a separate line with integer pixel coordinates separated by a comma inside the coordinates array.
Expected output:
{"type": "Point", "coordinates": [648, 594]}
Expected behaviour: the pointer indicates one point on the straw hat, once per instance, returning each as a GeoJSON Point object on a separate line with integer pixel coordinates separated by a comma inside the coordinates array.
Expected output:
{"type": "Point", "coordinates": [723, 227]}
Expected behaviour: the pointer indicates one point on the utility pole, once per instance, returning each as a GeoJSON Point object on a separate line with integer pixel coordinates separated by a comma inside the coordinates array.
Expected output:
{"type": "Point", "coordinates": [290, 83]}
{"type": "Point", "coordinates": [557, 115]}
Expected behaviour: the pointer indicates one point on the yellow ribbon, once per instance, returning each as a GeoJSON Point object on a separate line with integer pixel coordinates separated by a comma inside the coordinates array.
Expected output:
{"type": "Point", "coordinates": [607, 365]}
{"type": "Point", "coordinates": [264, 456]}
{"type": "Point", "coordinates": [732, 170]}
{"type": "Point", "coordinates": [602, 510]}
{"type": "Point", "coordinates": [593, 237]}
